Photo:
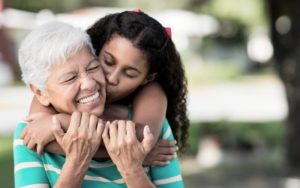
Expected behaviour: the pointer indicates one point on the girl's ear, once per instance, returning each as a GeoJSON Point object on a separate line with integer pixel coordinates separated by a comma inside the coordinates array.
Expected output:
{"type": "Point", "coordinates": [149, 78]}
{"type": "Point", "coordinates": [40, 95]}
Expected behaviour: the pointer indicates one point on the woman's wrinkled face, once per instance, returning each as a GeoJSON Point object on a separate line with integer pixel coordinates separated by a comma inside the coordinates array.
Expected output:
{"type": "Point", "coordinates": [77, 84]}
{"type": "Point", "coordinates": [125, 67]}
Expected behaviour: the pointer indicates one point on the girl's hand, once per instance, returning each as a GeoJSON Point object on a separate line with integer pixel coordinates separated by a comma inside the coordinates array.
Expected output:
{"type": "Point", "coordinates": [37, 134]}
{"type": "Point", "coordinates": [162, 153]}
{"type": "Point", "coordinates": [82, 139]}
{"type": "Point", "coordinates": [123, 147]}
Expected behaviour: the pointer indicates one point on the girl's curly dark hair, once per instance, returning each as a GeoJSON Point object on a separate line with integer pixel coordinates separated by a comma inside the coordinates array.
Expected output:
{"type": "Point", "coordinates": [150, 36]}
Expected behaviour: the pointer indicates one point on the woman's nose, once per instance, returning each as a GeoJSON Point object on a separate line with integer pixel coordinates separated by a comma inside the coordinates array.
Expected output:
{"type": "Point", "coordinates": [88, 83]}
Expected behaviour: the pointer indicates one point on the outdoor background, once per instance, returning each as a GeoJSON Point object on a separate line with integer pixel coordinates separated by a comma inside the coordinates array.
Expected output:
{"type": "Point", "coordinates": [237, 101]}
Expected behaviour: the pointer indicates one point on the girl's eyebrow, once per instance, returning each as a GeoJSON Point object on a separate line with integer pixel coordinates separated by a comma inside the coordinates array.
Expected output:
{"type": "Point", "coordinates": [111, 55]}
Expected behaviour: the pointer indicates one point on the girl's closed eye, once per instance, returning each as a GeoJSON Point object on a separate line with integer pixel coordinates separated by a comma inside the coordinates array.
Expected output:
{"type": "Point", "coordinates": [131, 73]}
{"type": "Point", "coordinates": [108, 63]}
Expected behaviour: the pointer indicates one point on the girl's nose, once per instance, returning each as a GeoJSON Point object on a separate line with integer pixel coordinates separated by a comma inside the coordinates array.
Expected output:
{"type": "Point", "coordinates": [113, 79]}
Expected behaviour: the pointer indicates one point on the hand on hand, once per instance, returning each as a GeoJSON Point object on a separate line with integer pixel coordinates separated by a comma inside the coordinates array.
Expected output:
{"type": "Point", "coordinates": [37, 133]}
{"type": "Point", "coordinates": [123, 147]}
{"type": "Point", "coordinates": [162, 153]}
{"type": "Point", "coordinates": [82, 139]}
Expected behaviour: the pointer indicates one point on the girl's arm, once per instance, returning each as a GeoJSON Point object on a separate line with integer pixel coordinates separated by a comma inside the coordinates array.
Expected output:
{"type": "Point", "coordinates": [149, 108]}
{"type": "Point", "coordinates": [37, 134]}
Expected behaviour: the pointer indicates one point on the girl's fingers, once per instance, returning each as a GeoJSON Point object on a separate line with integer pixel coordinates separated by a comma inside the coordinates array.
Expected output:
{"type": "Point", "coordinates": [24, 132]}
{"type": "Point", "coordinates": [165, 158]}
{"type": "Point", "coordinates": [159, 163]}
{"type": "Point", "coordinates": [167, 150]}
{"type": "Point", "coordinates": [167, 143]}
{"type": "Point", "coordinates": [31, 145]}
{"type": "Point", "coordinates": [57, 130]}
{"type": "Point", "coordinates": [40, 149]}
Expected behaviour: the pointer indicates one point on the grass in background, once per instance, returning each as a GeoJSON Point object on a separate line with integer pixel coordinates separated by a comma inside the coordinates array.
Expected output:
{"type": "Point", "coordinates": [237, 135]}
{"type": "Point", "coordinates": [6, 162]}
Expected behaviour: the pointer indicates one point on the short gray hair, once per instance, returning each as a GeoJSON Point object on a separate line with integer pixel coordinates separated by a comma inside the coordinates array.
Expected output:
{"type": "Point", "coordinates": [49, 44]}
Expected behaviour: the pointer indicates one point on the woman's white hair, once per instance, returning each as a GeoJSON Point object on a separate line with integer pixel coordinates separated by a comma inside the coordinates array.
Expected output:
{"type": "Point", "coordinates": [48, 45]}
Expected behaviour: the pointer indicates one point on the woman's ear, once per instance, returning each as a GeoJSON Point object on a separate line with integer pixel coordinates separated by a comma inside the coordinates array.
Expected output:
{"type": "Point", "coordinates": [149, 78]}
{"type": "Point", "coordinates": [40, 95]}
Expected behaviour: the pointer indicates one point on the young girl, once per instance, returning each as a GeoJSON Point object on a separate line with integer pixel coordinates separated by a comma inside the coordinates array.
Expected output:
{"type": "Point", "coordinates": [142, 68]}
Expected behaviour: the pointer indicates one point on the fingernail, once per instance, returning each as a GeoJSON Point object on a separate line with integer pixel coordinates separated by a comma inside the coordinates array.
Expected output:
{"type": "Point", "coordinates": [53, 119]}
{"type": "Point", "coordinates": [147, 129]}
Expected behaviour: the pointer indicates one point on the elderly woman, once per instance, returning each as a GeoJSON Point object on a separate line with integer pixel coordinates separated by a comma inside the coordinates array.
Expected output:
{"type": "Point", "coordinates": [59, 66]}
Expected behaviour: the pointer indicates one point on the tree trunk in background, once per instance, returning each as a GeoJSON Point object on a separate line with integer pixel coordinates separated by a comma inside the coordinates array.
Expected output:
{"type": "Point", "coordinates": [287, 62]}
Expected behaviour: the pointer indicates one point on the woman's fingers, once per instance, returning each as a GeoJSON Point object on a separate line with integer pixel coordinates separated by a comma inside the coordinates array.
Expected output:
{"type": "Point", "coordinates": [113, 132]}
{"type": "Point", "coordinates": [75, 122]}
{"type": "Point", "coordinates": [148, 140]}
{"type": "Point", "coordinates": [100, 128]}
{"type": "Point", "coordinates": [130, 129]}
{"type": "Point", "coordinates": [105, 135]}
{"type": "Point", "coordinates": [85, 120]}
{"type": "Point", "coordinates": [121, 132]}
{"type": "Point", "coordinates": [93, 123]}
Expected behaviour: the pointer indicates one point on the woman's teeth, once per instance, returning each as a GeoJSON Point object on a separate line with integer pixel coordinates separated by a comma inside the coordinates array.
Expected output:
{"type": "Point", "coordinates": [89, 99]}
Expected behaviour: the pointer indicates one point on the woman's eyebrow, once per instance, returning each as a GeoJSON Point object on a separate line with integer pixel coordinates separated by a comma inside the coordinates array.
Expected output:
{"type": "Point", "coordinates": [92, 60]}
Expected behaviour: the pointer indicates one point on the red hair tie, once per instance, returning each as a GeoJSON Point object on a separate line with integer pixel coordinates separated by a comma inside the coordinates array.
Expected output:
{"type": "Point", "coordinates": [136, 10]}
{"type": "Point", "coordinates": [169, 31]}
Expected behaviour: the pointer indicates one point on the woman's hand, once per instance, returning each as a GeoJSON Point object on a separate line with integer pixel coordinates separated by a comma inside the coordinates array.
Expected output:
{"type": "Point", "coordinates": [79, 143]}
{"type": "Point", "coordinates": [123, 147]}
{"type": "Point", "coordinates": [37, 134]}
{"type": "Point", "coordinates": [82, 139]}
{"type": "Point", "coordinates": [162, 153]}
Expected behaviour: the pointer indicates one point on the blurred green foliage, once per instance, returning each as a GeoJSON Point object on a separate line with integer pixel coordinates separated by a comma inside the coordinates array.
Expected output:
{"type": "Point", "coordinates": [252, 13]}
{"type": "Point", "coordinates": [237, 135]}
{"type": "Point", "coordinates": [6, 162]}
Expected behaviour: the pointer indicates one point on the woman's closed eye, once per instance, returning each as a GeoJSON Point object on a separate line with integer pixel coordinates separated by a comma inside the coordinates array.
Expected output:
{"type": "Point", "coordinates": [70, 79]}
{"type": "Point", "coordinates": [93, 68]}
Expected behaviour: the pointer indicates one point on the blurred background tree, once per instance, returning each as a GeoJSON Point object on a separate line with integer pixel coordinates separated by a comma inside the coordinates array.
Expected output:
{"type": "Point", "coordinates": [285, 33]}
